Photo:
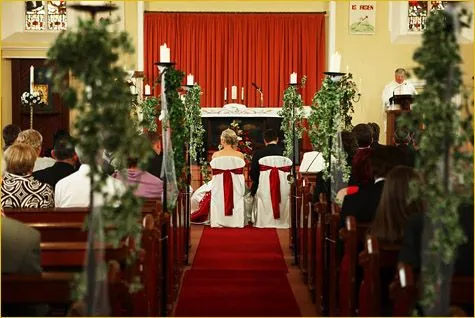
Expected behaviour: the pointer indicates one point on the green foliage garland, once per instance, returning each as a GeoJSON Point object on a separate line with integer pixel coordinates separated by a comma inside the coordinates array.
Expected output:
{"type": "Point", "coordinates": [150, 110]}
{"type": "Point", "coordinates": [176, 115]}
{"type": "Point", "coordinates": [196, 129]}
{"type": "Point", "coordinates": [332, 107]}
{"type": "Point", "coordinates": [103, 121]}
{"type": "Point", "coordinates": [442, 158]}
{"type": "Point", "coordinates": [292, 113]}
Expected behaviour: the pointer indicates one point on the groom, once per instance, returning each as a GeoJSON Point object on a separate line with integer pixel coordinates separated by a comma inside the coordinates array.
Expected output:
{"type": "Point", "coordinates": [271, 149]}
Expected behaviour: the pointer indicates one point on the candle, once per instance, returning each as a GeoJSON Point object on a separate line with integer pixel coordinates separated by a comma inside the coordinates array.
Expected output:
{"type": "Point", "coordinates": [133, 89]}
{"type": "Point", "coordinates": [234, 92]}
{"type": "Point", "coordinates": [189, 79]}
{"type": "Point", "coordinates": [335, 62]}
{"type": "Point", "coordinates": [293, 78]}
{"type": "Point", "coordinates": [242, 93]}
{"type": "Point", "coordinates": [32, 78]}
{"type": "Point", "coordinates": [225, 93]}
{"type": "Point", "coordinates": [147, 90]}
{"type": "Point", "coordinates": [164, 53]}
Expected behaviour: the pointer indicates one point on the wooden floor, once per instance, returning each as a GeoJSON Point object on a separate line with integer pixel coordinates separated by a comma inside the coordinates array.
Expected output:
{"type": "Point", "coordinates": [298, 287]}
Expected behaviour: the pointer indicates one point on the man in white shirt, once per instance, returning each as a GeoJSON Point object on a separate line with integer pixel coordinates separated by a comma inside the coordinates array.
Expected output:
{"type": "Point", "coordinates": [398, 87]}
{"type": "Point", "coordinates": [73, 190]}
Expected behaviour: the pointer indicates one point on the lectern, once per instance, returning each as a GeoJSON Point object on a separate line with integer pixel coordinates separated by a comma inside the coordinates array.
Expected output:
{"type": "Point", "coordinates": [400, 104]}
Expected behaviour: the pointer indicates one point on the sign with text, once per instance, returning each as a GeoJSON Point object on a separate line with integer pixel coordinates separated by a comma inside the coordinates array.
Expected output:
{"type": "Point", "coordinates": [362, 17]}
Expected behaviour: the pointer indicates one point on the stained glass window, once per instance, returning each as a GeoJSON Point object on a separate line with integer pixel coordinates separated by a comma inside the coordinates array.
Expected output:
{"type": "Point", "coordinates": [45, 15]}
{"type": "Point", "coordinates": [418, 11]}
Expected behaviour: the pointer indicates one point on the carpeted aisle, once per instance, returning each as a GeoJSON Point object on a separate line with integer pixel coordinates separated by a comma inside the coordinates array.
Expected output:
{"type": "Point", "coordinates": [237, 272]}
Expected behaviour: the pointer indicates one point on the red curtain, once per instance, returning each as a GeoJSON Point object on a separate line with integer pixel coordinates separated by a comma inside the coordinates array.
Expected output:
{"type": "Point", "coordinates": [225, 49]}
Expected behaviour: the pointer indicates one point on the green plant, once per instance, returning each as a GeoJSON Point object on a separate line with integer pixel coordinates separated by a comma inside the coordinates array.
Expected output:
{"type": "Point", "coordinates": [443, 158]}
{"type": "Point", "coordinates": [292, 114]}
{"type": "Point", "coordinates": [103, 106]}
{"type": "Point", "coordinates": [331, 111]}
{"type": "Point", "coordinates": [149, 109]}
{"type": "Point", "coordinates": [196, 129]}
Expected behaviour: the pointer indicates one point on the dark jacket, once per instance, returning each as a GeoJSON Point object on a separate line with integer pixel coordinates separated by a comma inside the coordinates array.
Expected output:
{"type": "Point", "coordinates": [270, 150]}
{"type": "Point", "coordinates": [54, 173]}
{"type": "Point", "coordinates": [155, 165]}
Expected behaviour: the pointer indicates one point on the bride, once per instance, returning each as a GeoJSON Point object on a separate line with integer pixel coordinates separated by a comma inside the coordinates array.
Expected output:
{"type": "Point", "coordinates": [201, 198]}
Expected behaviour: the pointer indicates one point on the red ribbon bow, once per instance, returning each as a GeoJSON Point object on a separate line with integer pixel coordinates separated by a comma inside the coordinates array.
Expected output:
{"type": "Point", "coordinates": [228, 188]}
{"type": "Point", "coordinates": [274, 185]}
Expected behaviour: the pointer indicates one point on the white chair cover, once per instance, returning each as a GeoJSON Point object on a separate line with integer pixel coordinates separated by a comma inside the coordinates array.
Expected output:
{"type": "Point", "coordinates": [264, 213]}
{"type": "Point", "coordinates": [217, 209]}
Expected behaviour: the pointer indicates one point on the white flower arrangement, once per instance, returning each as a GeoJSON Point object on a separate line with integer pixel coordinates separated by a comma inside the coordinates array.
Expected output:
{"type": "Point", "coordinates": [31, 99]}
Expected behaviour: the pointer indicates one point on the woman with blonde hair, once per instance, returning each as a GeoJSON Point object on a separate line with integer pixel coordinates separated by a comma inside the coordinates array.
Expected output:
{"type": "Point", "coordinates": [19, 188]}
{"type": "Point", "coordinates": [229, 141]}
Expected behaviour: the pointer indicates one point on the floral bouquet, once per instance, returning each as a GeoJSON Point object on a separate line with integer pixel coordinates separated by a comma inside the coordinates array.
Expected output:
{"type": "Point", "coordinates": [31, 99]}
{"type": "Point", "coordinates": [245, 144]}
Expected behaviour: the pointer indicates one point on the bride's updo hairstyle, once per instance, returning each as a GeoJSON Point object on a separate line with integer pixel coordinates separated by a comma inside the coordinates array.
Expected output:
{"type": "Point", "coordinates": [229, 137]}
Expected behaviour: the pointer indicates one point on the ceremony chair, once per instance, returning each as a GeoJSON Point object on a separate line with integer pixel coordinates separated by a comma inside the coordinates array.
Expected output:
{"type": "Point", "coordinates": [273, 205]}
{"type": "Point", "coordinates": [227, 192]}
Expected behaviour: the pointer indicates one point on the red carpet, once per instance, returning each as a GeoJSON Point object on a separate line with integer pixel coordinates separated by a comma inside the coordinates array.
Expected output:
{"type": "Point", "coordinates": [237, 272]}
{"type": "Point", "coordinates": [240, 249]}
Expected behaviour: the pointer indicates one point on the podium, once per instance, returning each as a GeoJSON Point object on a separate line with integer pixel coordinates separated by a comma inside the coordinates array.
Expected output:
{"type": "Point", "coordinates": [400, 104]}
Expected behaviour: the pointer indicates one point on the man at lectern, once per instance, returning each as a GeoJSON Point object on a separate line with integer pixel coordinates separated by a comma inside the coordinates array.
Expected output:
{"type": "Point", "coordinates": [398, 87]}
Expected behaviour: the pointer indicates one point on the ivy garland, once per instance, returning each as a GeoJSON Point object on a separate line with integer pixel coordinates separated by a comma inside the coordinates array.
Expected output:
{"type": "Point", "coordinates": [150, 110]}
{"type": "Point", "coordinates": [292, 113]}
{"type": "Point", "coordinates": [176, 116]}
{"type": "Point", "coordinates": [443, 159]}
{"type": "Point", "coordinates": [331, 111]}
{"type": "Point", "coordinates": [103, 121]}
{"type": "Point", "coordinates": [196, 129]}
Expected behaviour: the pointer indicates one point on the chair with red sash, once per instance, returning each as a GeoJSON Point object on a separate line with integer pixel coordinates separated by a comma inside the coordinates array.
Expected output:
{"type": "Point", "coordinates": [227, 192]}
{"type": "Point", "coordinates": [273, 204]}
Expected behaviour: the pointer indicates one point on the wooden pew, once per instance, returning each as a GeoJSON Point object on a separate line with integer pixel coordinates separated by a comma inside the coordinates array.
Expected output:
{"type": "Point", "coordinates": [404, 291]}
{"type": "Point", "coordinates": [378, 260]}
{"type": "Point", "coordinates": [311, 240]}
{"type": "Point", "coordinates": [333, 268]}
{"type": "Point", "coordinates": [74, 215]}
{"type": "Point", "coordinates": [347, 279]}
{"type": "Point", "coordinates": [320, 291]}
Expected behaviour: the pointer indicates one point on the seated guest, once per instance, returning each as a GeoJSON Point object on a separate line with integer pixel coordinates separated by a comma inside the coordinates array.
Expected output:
{"type": "Point", "coordinates": [155, 162]}
{"type": "Point", "coordinates": [412, 242]}
{"type": "Point", "coordinates": [148, 185]}
{"type": "Point", "coordinates": [272, 148]}
{"type": "Point", "coordinates": [361, 174]}
{"type": "Point", "coordinates": [10, 133]}
{"type": "Point", "coordinates": [363, 204]}
{"type": "Point", "coordinates": [73, 190]}
{"type": "Point", "coordinates": [402, 140]}
{"type": "Point", "coordinates": [201, 198]}
{"type": "Point", "coordinates": [65, 156]}
{"type": "Point", "coordinates": [33, 138]}
{"type": "Point", "coordinates": [19, 188]}
{"type": "Point", "coordinates": [21, 254]}
{"type": "Point", "coordinates": [375, 135]}
{"type": "Point", "coordinates": [394, 208]}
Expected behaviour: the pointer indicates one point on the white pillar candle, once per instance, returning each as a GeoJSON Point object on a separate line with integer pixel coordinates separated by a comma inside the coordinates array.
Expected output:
{"type": "Point", "coordinates": [189, 79]}
{"type": "Point", "coordinates": [293, 78]}
{"type": "Point", "coordinates": [147, 90]}
{"type": "Point", "coordinates": [133, 89]}
{"type": "Point", "coordinates": [335, 62]}
{"type": "Point", "coordinates": [242, 93]}
{"type": "Point", "coordinates": [234, 92]}
{"type": "Point", "coordinates": [164, 53]}
{"type": "Point", "coordinates": [32, 78]}
{"type": "Point", "coordinates": [225, 93]}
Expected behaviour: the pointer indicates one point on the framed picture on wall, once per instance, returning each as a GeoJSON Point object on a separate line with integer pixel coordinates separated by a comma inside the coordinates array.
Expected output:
{"type": "Point", "coordinates": [362, 17]}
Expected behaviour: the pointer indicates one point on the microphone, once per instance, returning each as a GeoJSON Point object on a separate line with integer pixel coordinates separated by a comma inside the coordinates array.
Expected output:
{"type": "Point", "coordinates": [256, 87]}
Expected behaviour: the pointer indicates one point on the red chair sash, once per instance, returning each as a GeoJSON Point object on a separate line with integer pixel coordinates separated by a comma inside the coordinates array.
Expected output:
{"type": "Point", "coordinates": [228, 188]}
{"type": "Point", "coordinates": [274, 185]}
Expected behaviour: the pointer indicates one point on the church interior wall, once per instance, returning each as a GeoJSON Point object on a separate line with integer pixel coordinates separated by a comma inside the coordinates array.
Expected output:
{"type": "Point", "coordinates": [371, 58]}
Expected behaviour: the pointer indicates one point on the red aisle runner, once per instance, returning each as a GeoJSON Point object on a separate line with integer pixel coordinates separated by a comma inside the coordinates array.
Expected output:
{"type": "Point", "coordinates": [237, 272]}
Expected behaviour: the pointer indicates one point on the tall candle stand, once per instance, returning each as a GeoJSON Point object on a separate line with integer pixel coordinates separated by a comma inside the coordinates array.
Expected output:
{"type": "Point", "coordinates": [162, 68]}
{"type": "Point", "coordinates": [91, 263]}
